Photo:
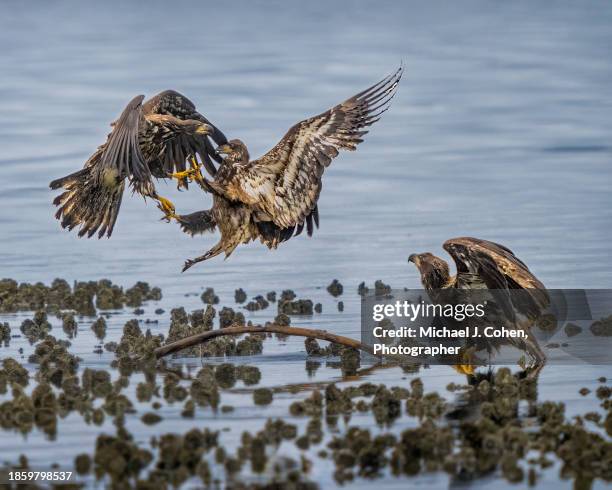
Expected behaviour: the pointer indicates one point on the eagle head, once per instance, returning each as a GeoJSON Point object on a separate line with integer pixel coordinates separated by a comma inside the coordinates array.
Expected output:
{"type": "Point", "coordinates": [235, 153]}
{"type": "Point", "coordinates": [434, 271]}
{"type": "Point", "coordinates": [192, 126]}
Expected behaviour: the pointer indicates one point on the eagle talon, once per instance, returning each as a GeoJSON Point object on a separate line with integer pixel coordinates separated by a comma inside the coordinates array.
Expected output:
{"type": "Point", "coordinates": [185, 174]}
{"type": "Point", "coordinates": [167, 208]}
{"type": "Point", "coordinates": [194, 173]}
{"type": "Point", "coordinates": [467, 359]}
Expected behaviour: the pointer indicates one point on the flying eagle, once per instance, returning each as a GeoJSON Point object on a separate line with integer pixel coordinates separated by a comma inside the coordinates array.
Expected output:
{"type": "Point", "coordinates": [154, 139]}
{"type": "Point", "coordinates": [519, 298]}
{"type": "Point", "coordinates": [274, 197]}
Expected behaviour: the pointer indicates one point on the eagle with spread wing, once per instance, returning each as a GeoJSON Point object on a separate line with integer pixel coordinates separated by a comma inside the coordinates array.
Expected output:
{"type": "Point", "coordinates": [517, 297]}
{"type": "Point", "coordinates": [154, 139]}
{"type": "Point", "coordinates": [273, 198]}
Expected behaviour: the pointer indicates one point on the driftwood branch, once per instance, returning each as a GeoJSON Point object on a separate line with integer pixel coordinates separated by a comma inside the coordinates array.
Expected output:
{"type": "Point", "coordinates": [239, 330]}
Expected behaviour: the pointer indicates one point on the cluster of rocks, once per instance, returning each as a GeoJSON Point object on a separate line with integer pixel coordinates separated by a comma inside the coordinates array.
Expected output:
{"type": "Point", "coordinates": [183, 325]}
{"type": "Point", "coordinates": [491, 434]}
{"type": "Point", "coordinates": [82, 298]}
{"type": "Point", "coordinates": [289, 305]}
{"type": "Point", "coordinates": [380, 289]}
{"type": "Point", "coordinates": [497, 427]}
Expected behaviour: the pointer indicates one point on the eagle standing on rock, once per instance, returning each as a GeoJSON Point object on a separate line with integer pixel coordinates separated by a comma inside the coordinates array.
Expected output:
{"type": "Point", "coordinates": [518, 297]}
{"type": "Point", "coordinates": [154, 139]}
{"type": "Point", "coordinates": [274, 197]}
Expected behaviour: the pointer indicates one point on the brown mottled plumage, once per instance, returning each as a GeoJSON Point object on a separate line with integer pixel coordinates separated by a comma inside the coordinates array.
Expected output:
{"type": "Point", "coordinates": [148, 140]}
{"type": "Point", "coordinates": [274, 197]}
{"type": "Point", "coordinates": [482, 264]}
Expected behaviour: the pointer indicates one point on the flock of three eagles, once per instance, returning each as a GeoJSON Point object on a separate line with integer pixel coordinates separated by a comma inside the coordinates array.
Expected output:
{"type": "Point", "coordinates": [271, 198]}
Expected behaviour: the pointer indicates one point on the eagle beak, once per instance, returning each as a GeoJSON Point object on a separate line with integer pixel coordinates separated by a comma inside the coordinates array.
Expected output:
{"type": "Point", "coordinates": [204, 129]}
{"type": "Point", "coordinates": [413, 258]}
{"type": "Point", "coordinates": [223, 150]}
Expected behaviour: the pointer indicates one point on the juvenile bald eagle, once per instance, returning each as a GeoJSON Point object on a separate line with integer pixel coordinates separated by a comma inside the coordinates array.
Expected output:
{"type": "Point", "coordinates": [154, 139]}
{"type": "Point", "coordinates": [518, 298]}
{"type": "Point", "coordinates": [274, 197]}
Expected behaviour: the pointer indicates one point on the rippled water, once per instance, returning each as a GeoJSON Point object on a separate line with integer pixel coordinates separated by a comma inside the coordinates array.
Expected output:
{"type": "Point", "coordinates": [500, 130]}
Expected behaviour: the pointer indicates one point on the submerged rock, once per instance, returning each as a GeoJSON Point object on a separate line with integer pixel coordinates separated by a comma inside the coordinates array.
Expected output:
{"type": "Point", "coordinates": [335, 288]}
{"type": "Point", "coordinates": [571, 329]}
{"type": "Point", "coordinates": [602, 328]}
{"type": "Point", "coordinates": [141, 292]}
{"type": "Point", "coordinates": [183, 325]}
{"type": "Point", "coordinates": [151, 418]}
{"type": "Point", "coordinates": [258, 303]}
{"type": "Point", "coordinates": [82, 464]}
{"type": "Point", "coordinates": [229, 317]}
{"type": "Point", "coordinates": [209, 297]}
{"type": "Point", "coordinates": [5, 334]}
{"type": "Point", "coordinates": [287, 295]}
{"type": "Point", "coordinates": [99, 328]}
{"type": "Point", "coordinates": [69, 325]}
{"type": "Point", "coordinates": [250, 375]}
{"type": "Point", "coordinates": [282, 320]}
{"type": "Point", "coordinates": [297, 307]}
{"type": "Point", "coordinates": [119, 458]}
{"type": "Point", "coordinates": [202, 320]}
{"type": "Point", "coordinates": [240, 296]}
{"type": "Point", "coordinates": [13, 372]}
{"type": "Point", "coordinates": [381, 289]}
{"type": "Point", "coordinates": [36, 328]}
{"type": "Point", "coordinates": [262, 396]}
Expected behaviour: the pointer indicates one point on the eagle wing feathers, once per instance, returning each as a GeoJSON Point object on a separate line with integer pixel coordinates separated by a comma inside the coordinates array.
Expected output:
{"type": "Point", "coordinates": [121, 151]}
{"type": "Point", "coordinates": [499, 269]}
{"type": "Point", "coordinates": [179, 149]}
{"type": "Point", "coordinates": [298, 161]}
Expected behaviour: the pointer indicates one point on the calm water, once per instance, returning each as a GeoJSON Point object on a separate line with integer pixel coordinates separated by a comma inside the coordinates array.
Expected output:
{"type": "Point", "coordinates": [500, 130]}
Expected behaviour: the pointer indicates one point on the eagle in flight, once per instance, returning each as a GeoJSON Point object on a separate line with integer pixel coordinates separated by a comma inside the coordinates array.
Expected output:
{"type": "Point", "coordinates": [517, 297]}
{"type": "Point", "coordinates": [154, 139]}
{"type": "Point", "coordinates": [274, 197]}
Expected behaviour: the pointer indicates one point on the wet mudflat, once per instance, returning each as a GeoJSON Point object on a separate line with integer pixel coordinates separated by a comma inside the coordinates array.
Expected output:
{"type": "Point", "coordinates": [81, 390]}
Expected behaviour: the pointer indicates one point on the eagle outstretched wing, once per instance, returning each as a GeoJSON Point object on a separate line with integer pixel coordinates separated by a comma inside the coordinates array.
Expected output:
{"type": "Point", "coordinates": [294, 167]}
{"type": "Point", "coordinates": [500, 270]}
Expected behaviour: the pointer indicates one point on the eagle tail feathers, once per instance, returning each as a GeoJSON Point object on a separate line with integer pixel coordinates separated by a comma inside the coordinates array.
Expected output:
{"type": "Point", "coordinates": [88, 202]}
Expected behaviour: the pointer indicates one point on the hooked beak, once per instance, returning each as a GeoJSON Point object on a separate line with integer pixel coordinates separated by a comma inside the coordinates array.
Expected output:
{"type": "Point", "coordinates": [204, 129]}
{"type": "Point", "coordinates": [223, 150]}
{"type": "Point", "coordinates": [413, 258]}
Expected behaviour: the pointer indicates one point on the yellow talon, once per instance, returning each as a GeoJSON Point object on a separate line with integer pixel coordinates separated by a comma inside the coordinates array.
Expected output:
{"type": "Point", "coordinates": [467, 357]}
{"type": "Point", "coordinates": [194, 173]}
{"type": "Point", "coordinates": [185, 174]}
{"type": "Point", "coordinates": [195, 168]}
{"type": "Point", "coordinates": [166, 207]}
{"type": "Point", "coordinates": [466, 369]}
